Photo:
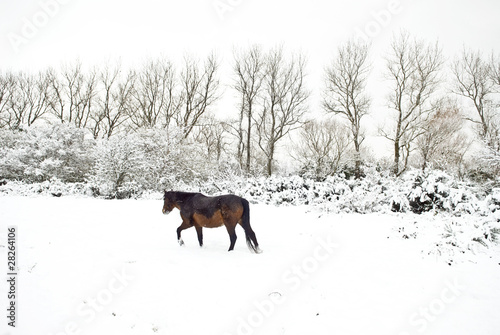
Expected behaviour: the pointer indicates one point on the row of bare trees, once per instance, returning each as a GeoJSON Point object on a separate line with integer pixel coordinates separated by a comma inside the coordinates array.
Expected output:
{"type": "Point", "coordinates": [425, 118]}
{"type": "Point", "coordinates": [423, 122]}
{"type": "Point", "coordinates": [110, 99]}
{"type": "Point", "coordinates": [429, 119]}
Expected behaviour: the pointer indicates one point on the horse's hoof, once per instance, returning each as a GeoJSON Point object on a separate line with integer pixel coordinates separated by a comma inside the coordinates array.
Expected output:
{"type": "Point", "coordinates": [181, 243]}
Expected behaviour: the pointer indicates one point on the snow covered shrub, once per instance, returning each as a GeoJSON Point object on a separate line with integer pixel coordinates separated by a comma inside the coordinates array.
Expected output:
{"type": "Point", "coordinates": [465, 235]}
{"type": "Point", "coordinates": [39, 154]}
{"type": "Point", "coordinates": [365, 195]}
{"type": "Point", "coordinates": [149, 159]}
{"type": "Point", "coordinates": [10, 166]}
{"type": "Point", "coordinates": [492, 201]}
{"type": "Point", "coordinates": [438, 191]}
{"type": "Point", "coordinates": [334, 194]}
{"type": "Point", "coordinates": [53, 187]}
{"type": "Point", "coordinates": [218, 178]}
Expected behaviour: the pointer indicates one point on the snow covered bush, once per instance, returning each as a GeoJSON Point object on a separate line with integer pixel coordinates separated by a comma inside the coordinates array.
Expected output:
{"type": "Point", "coordinates": [436, 191]}
{"type": "Point", "coordinates": [335, 194]}
{"type": "Point", "coordinates": [39, 154]}
{"type": "Point", "coordinates": [53, 187]}
{"type": "Point", "coordinates": [128, 164]}
{"type": "Point", "coordinates": [377, 192]}
{"type": "Point", "coordinates": [459, 237]}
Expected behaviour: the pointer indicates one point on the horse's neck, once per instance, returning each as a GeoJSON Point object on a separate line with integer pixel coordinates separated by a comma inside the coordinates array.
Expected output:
{"type": "Point", "coordinates": [183, 196]}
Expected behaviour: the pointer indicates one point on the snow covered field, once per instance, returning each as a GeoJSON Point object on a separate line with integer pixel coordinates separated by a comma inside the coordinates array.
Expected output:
{"type": "Point", "coordinates": [93, 266]}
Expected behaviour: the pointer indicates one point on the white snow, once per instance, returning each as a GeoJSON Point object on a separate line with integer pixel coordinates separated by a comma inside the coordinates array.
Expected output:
{"type": "Point", "coordinates": [93, 266]}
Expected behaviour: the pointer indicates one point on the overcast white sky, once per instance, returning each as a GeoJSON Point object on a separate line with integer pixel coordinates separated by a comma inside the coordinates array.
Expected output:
{"type": "Point", "coordinates": [35, 34]}
{"type": "Point", "coordinates": [98, 29]}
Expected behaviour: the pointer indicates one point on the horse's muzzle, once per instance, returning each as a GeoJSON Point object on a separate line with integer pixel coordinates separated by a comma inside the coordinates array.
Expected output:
{"type": "Point", "coordinates": [164, 211]}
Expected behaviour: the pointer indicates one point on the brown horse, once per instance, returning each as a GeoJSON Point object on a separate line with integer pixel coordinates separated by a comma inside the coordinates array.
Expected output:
{"type": "Point", "coordinates": [201, 211]}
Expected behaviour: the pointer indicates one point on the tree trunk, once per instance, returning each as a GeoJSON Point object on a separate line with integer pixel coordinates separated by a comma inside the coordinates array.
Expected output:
{"type": "Point", "coordinates": [270, 158]}
{"type": "Point", "coordinates": [249, 139]}
{"type": "Point", "coordinates": [395, 168]}
{"type": "Point", "coordinates": [357, 162]}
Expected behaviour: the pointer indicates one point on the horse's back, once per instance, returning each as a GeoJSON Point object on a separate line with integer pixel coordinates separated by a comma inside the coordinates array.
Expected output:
{"type": "Point", "coordinates": [227, 199]}
{"type": "Point", "coordinates": [230, 199]}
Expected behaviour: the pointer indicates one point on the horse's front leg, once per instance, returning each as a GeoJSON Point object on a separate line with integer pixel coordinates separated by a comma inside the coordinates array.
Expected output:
{"type": "Point", "coordinates": [183, 226]}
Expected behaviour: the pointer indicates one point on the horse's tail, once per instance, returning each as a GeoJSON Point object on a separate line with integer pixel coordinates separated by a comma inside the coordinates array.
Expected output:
{"type": "Point", "coordinates": [252, 243]}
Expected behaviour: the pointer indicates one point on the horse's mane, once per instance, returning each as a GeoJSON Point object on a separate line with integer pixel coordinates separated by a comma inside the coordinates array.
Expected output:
{"type": "Point", "coordinates": [182, 196]}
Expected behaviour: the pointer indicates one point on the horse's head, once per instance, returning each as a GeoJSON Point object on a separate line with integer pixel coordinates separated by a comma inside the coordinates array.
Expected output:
{"type": "Point", "coordinates": [169, 202]}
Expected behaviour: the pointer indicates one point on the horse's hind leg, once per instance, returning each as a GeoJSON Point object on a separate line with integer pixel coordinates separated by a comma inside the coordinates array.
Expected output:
{"type": "Point", "coordinates": [232, 235]}
{"type": "Point", "coordinates": [199, 231]}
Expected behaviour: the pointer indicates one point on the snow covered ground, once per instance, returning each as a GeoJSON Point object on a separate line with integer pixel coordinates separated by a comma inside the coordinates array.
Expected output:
{"type": "Point", "coordinates": [93, 266]}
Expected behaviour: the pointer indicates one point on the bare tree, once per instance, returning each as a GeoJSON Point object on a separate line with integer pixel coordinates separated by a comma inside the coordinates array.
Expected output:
{"type": "Point", "coordinates": [211, 133]}
{"type": "Point", "coordinates": [30, 99]}
{"type": "Point", "coordinates": [413, 67]}
{"type": "Point", "coordinates": [7, 89]}
{"type": "Point", "coordinates": [199, 91]}
{"type": "Point", "coordinates": [249, 69]}
{"type": "Point", "coordinates": [106, 78]}
{"type": "Point", "coordinates": [473, 80]}
{"type": "Point", "coordinates": [58, 93]}
{"type": "Point", "coordinates": [285, 96]}
{"type": "Point", "coordinates": [66, 88]}
{"type": "Point", "coordinates": [494, 138]}
{"type": "Point", "coordinates": [322, 147]}
{"type": "Point", "coordinates": [345, 91]}
{"type": "Point", "coordinates": [154, 95]}
{"type": "Point", "coordinates": [491, 158]}
{"type": "Point", "coordinates": [495, 70]}
{"type": "Point", "coordinates": [443, 142]}
{"type": "Point", "coordinates": [80, 90]}
{"type": "Point", "coordinates": [115, 101]}
{"type": "Point", "coordinates": [237, 129]}
{"type": "Point", "coordinates": [87, 100]}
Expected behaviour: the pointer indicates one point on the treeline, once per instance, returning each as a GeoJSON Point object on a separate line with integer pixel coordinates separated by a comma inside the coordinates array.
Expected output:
{"type": "Point", "coordinates": [425, 124]}
{"type": "Point", "coordinates": [111, 99]}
